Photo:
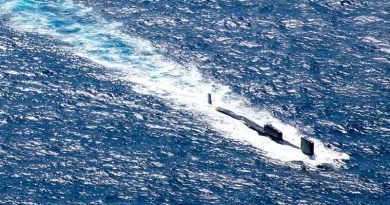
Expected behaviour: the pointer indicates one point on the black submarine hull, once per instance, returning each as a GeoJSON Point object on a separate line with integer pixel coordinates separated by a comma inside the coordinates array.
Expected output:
{"type": "Point", "coordinates": [307, 146]}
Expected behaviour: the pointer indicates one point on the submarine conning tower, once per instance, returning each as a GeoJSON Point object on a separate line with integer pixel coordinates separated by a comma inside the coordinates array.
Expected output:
{"type": "Point", "coordinates": [307, 145]}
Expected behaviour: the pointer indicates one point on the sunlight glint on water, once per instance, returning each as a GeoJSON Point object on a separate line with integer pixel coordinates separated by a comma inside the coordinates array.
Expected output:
{"type": "Point", "coordinates": [137, 61]}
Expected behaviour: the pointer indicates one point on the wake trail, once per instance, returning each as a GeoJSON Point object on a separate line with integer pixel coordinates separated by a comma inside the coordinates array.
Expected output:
{"type": "Point", "coordinates": [137, 61]}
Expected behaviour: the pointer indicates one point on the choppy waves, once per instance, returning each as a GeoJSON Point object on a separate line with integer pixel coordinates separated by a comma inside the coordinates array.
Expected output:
{"type": "Point", "coordinates": [136, 60]}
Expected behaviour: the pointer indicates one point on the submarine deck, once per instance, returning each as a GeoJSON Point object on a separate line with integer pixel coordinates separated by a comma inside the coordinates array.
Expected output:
{"type": "Point", "coordinates": [252, 125]}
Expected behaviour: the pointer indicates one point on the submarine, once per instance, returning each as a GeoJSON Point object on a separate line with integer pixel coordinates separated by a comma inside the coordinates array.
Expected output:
{"type": "Point", "coordinates": [307, 145]}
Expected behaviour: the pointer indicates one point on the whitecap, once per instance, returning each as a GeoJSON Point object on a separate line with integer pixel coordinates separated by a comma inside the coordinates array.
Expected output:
{"type": "Point", "coordinates": [181, 86]}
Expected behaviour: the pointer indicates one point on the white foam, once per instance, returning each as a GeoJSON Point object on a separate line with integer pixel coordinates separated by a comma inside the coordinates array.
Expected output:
{"type": "Point", "coordinates": [3, 122]}
{"type": "Point", "coordinates": [386, 50]}
{"type": "Point", "coordinates": [12, 72]}
{"type": "Point", "coordinates": [182, 86]}
{"type": "Point", "coordinates": [6, 6]}
{"type": "Point", "coordinates": [367, 19]}
{"type": "Point", "coordinates": [293, 23]}
{"type": "Point", "coordinates": [382, 45]}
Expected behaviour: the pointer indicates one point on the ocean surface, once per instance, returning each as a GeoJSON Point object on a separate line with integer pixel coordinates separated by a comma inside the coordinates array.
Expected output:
{"type": "Point", "coordinates": [105, 102]}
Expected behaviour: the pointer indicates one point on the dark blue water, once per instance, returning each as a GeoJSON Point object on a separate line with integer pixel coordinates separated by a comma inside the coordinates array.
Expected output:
{"type": "Point", "coordinates": [101, 102]}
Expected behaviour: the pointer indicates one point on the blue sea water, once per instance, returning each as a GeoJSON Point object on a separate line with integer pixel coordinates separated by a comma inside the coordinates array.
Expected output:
{"type": "Point", "coordinates": [104, 102]}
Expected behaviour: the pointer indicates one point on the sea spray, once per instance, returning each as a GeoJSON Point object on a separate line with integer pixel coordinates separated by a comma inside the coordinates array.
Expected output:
{"type": "Point", "coordinates": [181, 86]}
